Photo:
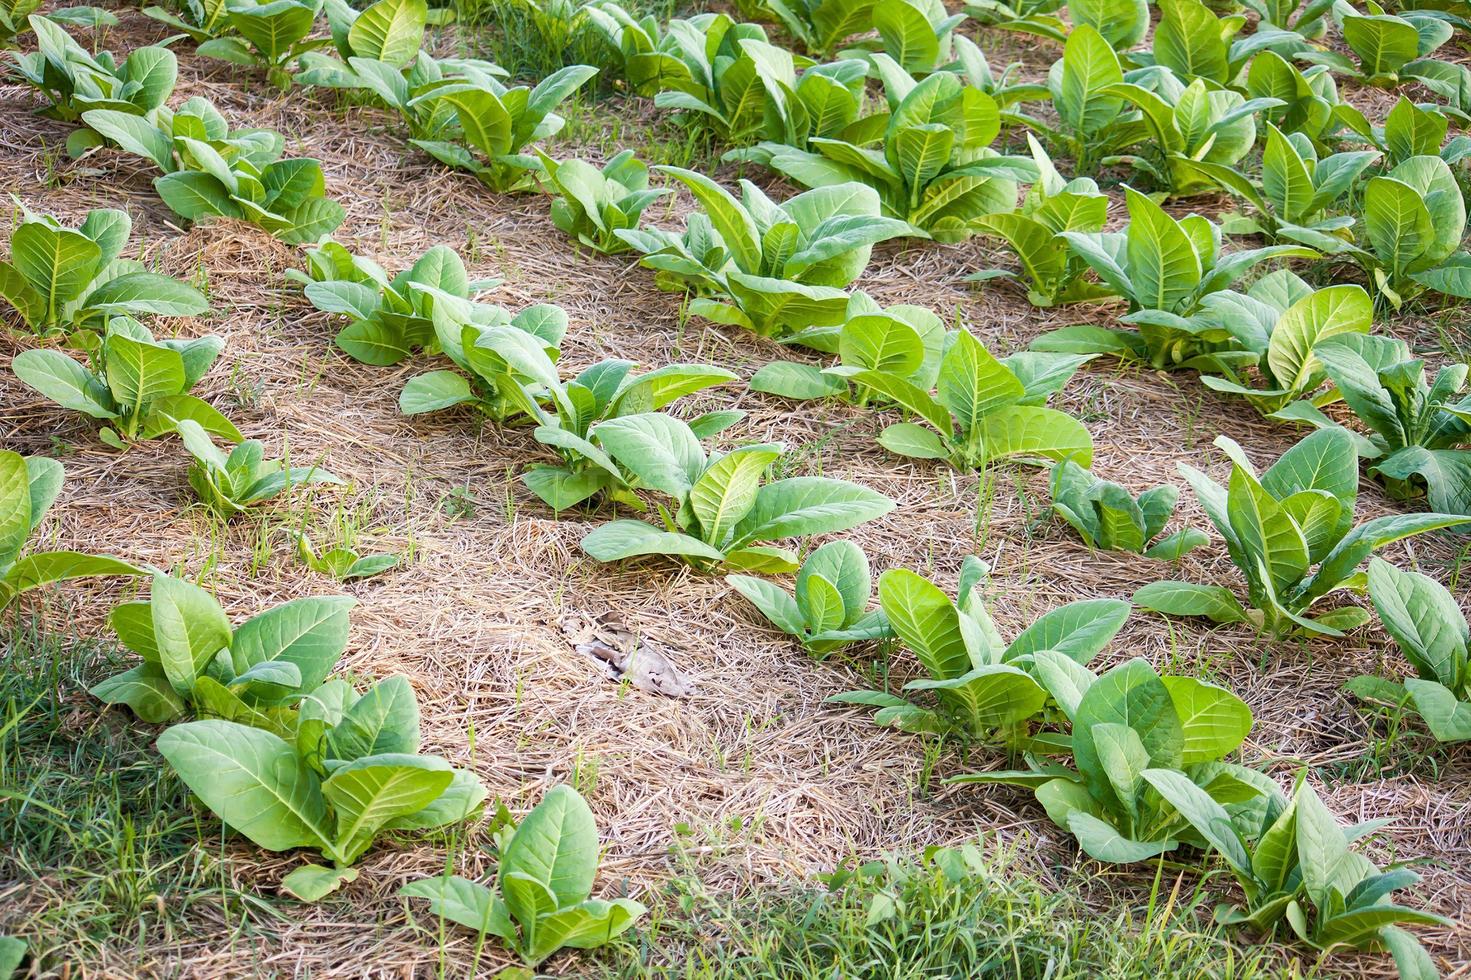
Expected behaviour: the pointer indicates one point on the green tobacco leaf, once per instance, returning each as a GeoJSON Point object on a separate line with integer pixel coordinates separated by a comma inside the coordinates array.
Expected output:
{"type": "Point", "coordinates": [369, 792]}
{"type": "Point", "coordinates": [556, 845]}
{"type": "Point", "coordinates": [312, 882]}
{"type": "Point", "coordinates": [1215, 602]}
{"type": "Point", "coordinates": [252, 780]}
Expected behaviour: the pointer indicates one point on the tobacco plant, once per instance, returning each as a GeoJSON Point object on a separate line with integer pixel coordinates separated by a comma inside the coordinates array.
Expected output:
{"type": "Point", "coordinates": [389, 317]}
{"type": "Point", "coordinates": [983, 687]}
{"type": "Point", "coordinates": [210, 170]}
{"type": "Point", "coordinates": [545, 875]}
{"type": "Point", "coordinates": [1107, 516]}
{"type": "Point", "coordinates": [821, 26]}
{"type": "Point", "coordinates": [730, 81]}
{"type": "Point", "coordinates": [935, 170]}
{"type": "Point", "coordinates": [1409, 130]}
{"type": "Point", "coordinates": [1051, 270]}
{"type": "Point", "coordinates": [397, 88]}
{"type": "Point", "coordinates": [62, 279]}
{"type": "Point", "coordinates": [1308, 97]}
{"type": "Point", "coordinates": [1188, 125]}
{"type": "Point", "coordinates": [722, 508]}
{"type": "Point", "coordinates": [904, 341]}
{"type": "Point", "coordinates": [137, 385]}
{"type": "Point", "coordinates": [983, 409]}
{"type": "Point", "coordinates": [1298, 192]}
{"type": "Point", "coordinates": [1195, 43]}
{"type": "Point", "coordinates": [1414, 218]}
{"type": "Point", "coordinates": [1387, 49]}
{"type": "Point", "coordinates": [1125, 723]}
{"type": "Point", "coordinates": [386, 32]}
{"type": "Point", "coordinates": [352, 772]}
{"type": "Point", "coordinates": [829, 607]}
{"type": "Point", "coordinates": [195, 662]}
{"type": "Point", "coordinates": [1427, 625]}
{"type": "Point", "coordinates": [1122, 23]}
{"type": "Point", "coordinates": [652, 60]}
{"type": "Point", "coordinates": [342, 562]}
{"type": "Point", "coordinates": [592, 204]}
{"type": "Point", "coordinates": [1420, 433]}
{"type": "Point", "coordinates": [198, 20]}
{"type": "Point", "coordinates": [462, 330]}
{"type": "Point", "coordinates": [74, 81]}
{"type": "Point", "coordinates": [230, 484]}
{"type": "Point", "coordinates": [13, 19]}
{"type": "Point", "coordinates": [271, 36]}
{"type": "Point", "coordinates": [29, 486]}
{"type": "Point", "coordinates": [1165, 269]}
{"type": "Point", "coordinates": [1092, 125]}
{"type": "Point", "coordinates": [498, 123]}
{"type": "Point", "coordinates": [1290, 533]}
{"type": "Point", "coordinates": [917, 34]}
{"type": "Point", "coordinates": [1296, 864]}
{"type": "Point", "coordinates": [1279, 323]}
{"type": "Point", "coordinates": [775, 268]}
{"type": "Point", "coordinates": [606, 390]}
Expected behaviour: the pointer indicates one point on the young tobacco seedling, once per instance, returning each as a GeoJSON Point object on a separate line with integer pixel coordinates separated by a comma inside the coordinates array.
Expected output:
{"type": "Point", "coordinates": [544, 879]}
{"type": "Point", "coordinates": [342, 562]}
{"type": "Point", "coordinates": [13, 14]}
{"type": "Point", "coordinates": [1291, 534]}
{"type": "Point", "coordinates": [135, 383]}
{"type": "Point", "coordinates": [934, 172]}
{"type": "Point", "coordinates": [194, 661]}
{"type": "Point", "coordinates": [498, 123]}
{"type": "Point", "coordinates": [776, 268]}
{"type": "Point", "coordinates": [1189, 125]}
{"type": "Point", "coordinates": [1297, 192]}
{"type": "Point", "coordinates": [271, 36]}
{"type": "Point", "coordinates": [388, 32]}
{"type": "Point", "coordinates": [1091, 125]}
{"type": "Point", "coordinates": [198, 20]}
{"type": "Point", "coordinates": [1165, 269]}
{"type": "Point", "coordinates": [830, 606]}
{"type": "Point", "coordinates": [228, 485]}
{"type": "Point", "coordinates": [917, 34]}
{"type": "Point", "coordinates": [1420, 434]}
{"type": "Point", "coordinates": [1194, 42]}
{"type": "Point", "coordinates": [1422, 617]}
{"type": "Point", "coordinates": [1302, 870]}
{"type": "Point", "coordinates": [984, 688]}
{"type": "Point", "coordinates": [1051, 271]}
{"type": "Point", "coordinates": [820, 25]}
{"type": "Point", "coordinates": [210, 170]}
{"type": "Point", "coordinates": [983, 409]}
{"type": "Point", "coordinates": [1389, 49]}
{"type": "Point", "coordinates": [462, 330]}
{"type": "Point", "coordinates": [388, 317]}
{"type": "Point", "coordinates": [350, 771]}
{"type": "Point", "coordinates": [1125, 723]}
{"type": "Point", "coordinates": [905, 341]}
{"type": "Point", "coordinates": [75, 81]}
{"type": "Point", "coordinates": [1414, 218]}
{"type": "Point", "coordinates": [606, 390]}
{"type": "Point", "coordinates": [1278, 323]}
{"type": "Point", "coordinates": [651, 59]}
{"type": "Point", "coordinates": [591, 205]}
{"type": "Point", "coordinates": [62, 279]}
{"type": "Point", "coordinates": [1106, 516]}
{"type": "Point", "coordinates": [722, 509]}
{"type": "Point", "coordinates": [1409, 130]}
{"type": "Point", "coordinates": [28, 487]}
